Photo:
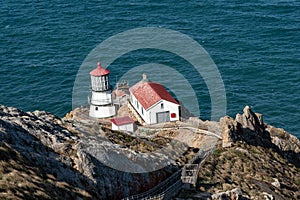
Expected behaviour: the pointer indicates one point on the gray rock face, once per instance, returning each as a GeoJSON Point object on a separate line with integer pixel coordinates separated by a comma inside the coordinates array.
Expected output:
{"type": "Point", "coordinates": [250, 120]}
{"type": "Point", "coordinates": [247, 127]}
{"type": "Point", "coordinates": [284, 140]}
{"type": "Point", "coordinates": [287, 143]}
{"type": "Point", "coordinates": [40, 137]}
{"type": "Point", "coordinates": [229, 130]}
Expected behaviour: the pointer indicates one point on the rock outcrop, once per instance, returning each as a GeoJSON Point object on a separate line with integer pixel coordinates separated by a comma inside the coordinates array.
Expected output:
{"type": "Point", "coordinates": [250, 128]}
{"type": "Point", "coordinates": [250, 121]}
{"type": "Point", "coordinates": [229, 130]}
{"type": "Point", "coordinates": [46, 144]}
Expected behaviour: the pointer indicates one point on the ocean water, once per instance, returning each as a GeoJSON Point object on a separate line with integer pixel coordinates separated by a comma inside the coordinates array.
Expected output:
{"type": "Point", "coordinates": [255, 46]}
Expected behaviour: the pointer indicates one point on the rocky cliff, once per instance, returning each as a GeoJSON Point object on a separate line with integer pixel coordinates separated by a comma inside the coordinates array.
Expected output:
{"type": "Point", "coordinates": [45, 157]}
{"type": "Point", "coordinates": [41, 158]}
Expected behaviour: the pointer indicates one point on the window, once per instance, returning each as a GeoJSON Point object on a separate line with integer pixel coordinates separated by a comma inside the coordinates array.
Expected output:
{"type": "Point", "coordinates": [142, 110]}
{"type": "Point", "coordinates": [137, 105]}
{"type": "Point", "coordinates": [96, 108]}
{"type": "Point", "coordinates": [162, 106]}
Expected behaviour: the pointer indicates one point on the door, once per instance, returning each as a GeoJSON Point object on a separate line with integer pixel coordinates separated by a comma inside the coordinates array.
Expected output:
{"type": "Point", "coordinates": [163, 117]}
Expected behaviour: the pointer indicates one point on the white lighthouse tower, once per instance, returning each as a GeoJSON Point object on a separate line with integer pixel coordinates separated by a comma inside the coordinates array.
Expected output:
{"type": "Point", "coordinates": [101, 104]}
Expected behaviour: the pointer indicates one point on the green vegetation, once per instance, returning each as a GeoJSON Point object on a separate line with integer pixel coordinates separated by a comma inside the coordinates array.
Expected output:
{"type": "Point", "coordinates": [251, 168]}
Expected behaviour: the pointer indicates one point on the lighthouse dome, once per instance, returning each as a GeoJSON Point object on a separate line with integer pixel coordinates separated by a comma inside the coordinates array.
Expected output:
{"type": "Point", "coordinates": [99, 71]}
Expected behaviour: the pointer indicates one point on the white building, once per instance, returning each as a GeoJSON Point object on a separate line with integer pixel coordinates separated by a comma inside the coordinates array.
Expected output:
{"type": "Point", "coordinates": [101, 104]}
{"type": "Point", "coordinates": [123, 124]}
{"type": "Point", "coordinates": [153, 102]}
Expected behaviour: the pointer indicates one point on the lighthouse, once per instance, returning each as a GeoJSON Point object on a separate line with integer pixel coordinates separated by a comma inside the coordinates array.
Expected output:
{"type": "Point", "coordinates": [101, 104]}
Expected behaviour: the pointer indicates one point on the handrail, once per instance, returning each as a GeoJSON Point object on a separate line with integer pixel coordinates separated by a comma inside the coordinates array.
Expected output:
{"type": "Point", "coordinates": [160, 187]}
{"type": "Point", "coordinates": [163, 190]}
{"type": "Point", "coordinates": [169, 192]}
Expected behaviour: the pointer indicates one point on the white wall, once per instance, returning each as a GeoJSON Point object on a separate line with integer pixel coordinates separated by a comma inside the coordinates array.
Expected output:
{"type": "Point", "coordinates": [102, 112]}
{"type": "Point", "coordinates": [139, 108]}
{"type": "Point", "coordinates": [149, 116]}
{"type": "Point", "coordinates": [101, 98]}
{"type": "Point", "coordinates": [125, 127]}
{"type": "Point", "coordinates": [168, 106]}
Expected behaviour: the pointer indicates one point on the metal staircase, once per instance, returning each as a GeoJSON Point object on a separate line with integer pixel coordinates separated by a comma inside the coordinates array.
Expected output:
{"type": "Point", "coordinates": [170, 187]}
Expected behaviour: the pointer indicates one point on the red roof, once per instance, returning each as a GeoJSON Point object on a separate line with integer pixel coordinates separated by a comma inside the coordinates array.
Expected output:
{"type": "Point", "coordinates": [122, 120]}
{"type": "Point", "coordinates": [149, 93]}
{"type": "Point", "coordinates": [99, 71]}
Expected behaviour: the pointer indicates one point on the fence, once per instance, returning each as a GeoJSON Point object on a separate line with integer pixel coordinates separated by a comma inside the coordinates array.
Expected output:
{"type": "Point", "coordinates": [172, 185]}
{"type": "Point", "coordinates": [158, 189]}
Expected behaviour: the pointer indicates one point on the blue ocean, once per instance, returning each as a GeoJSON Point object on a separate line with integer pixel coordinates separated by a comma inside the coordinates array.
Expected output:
{"type": "Point", "coordinates": [255, 46]}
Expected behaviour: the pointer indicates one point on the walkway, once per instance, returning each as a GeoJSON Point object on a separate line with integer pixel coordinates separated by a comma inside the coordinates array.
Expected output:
{"type": "Point", "coordinates": [197, 130]}
{"type": "Point", "coordinates": [172, 185]}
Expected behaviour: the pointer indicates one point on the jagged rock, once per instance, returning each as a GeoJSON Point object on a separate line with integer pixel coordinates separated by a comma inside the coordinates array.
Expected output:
{"type": "Point", "coordinates": [229, 131]}
{"type": "Point", "coordinates": [260, 119]}
{"type": "Point", "coordinates": [248, 127]}
{"type": "Point", "coordinates": [249, 120]}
